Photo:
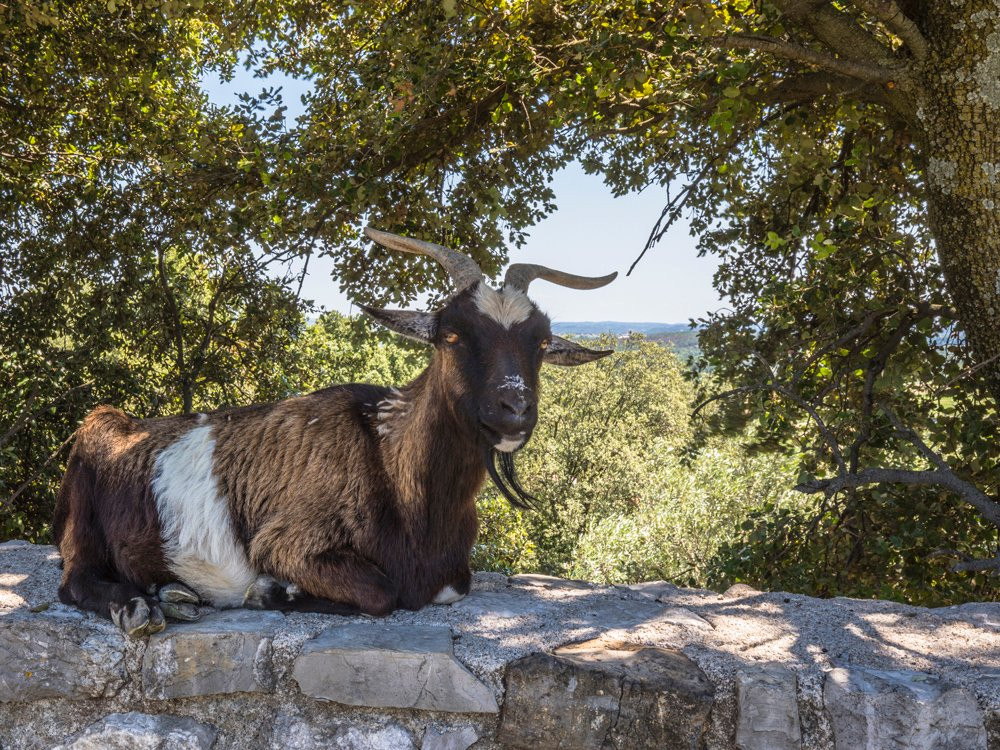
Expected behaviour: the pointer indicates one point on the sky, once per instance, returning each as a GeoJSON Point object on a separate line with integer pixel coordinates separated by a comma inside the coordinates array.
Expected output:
{"type": "Point", "coordinates": [591, 233]}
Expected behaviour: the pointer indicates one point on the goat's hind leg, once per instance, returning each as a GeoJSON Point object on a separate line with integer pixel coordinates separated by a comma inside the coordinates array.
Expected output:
{"type": "Point", "coordinates": [333, 582]}
{"type": "Point", "coordinates": [270, 593]}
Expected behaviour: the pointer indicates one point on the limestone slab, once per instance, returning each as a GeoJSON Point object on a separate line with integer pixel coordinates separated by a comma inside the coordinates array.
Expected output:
{"type": "Point", "coordinates": [605, 694]}
{"type": "Point", "coordinates": [138, 731]}
{"type": "Point", "coordinates": [227, 652]}
{"type": "Point", "coordinates": [59, 653]}
{"type": "Point", "coordinates": [460, 738]}
{"type": "Point", "coordinates": [295, 733]}
{"type": "Point", "coordinates": [768, 710]}
{"type": "Point", "coordinates": [684, 618]}
{"type": "Point", "coordinates": [538, 580]}
{"type": "Point", "coordinates": [650, 589]}
{"type": "Point", "coordinates": [390, 666]}
{"type": "Point", "coordinates": [888, 710]}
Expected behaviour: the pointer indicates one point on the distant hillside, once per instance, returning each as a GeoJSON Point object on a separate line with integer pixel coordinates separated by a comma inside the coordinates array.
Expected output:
{"type": "Point", "coordinates": [618, 328]}
{"type": "Point", "coordinates": [684, 343]}
{"type": "Point", "coordinates": [678, 336]}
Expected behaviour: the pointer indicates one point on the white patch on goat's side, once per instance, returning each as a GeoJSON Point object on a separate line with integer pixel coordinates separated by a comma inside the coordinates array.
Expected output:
{"type": "Point", "coordinates": [506, 307]}
{"type": "Point", "coordinates": [510, 444]}
{"type": "Point", "coordinates": [198, 538]}
{"type": "Point", "coordinates": [447, 595]}
{"type": "Point", "coordinates": [391, 408]}
{"type": "Point", "coordinates": [513, 383]}
{"type": "Point", "coordinates": [314, 420]}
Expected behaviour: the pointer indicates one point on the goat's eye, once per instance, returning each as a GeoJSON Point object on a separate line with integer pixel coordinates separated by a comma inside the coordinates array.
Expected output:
{"type": "Point", "coordinates": [451, 338]}
{"type": "Point", "coordinates": [544, 344]}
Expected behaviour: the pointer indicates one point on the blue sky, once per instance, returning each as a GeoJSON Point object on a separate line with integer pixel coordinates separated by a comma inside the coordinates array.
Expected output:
{"type": "Point", "coordinates": [591, 233]}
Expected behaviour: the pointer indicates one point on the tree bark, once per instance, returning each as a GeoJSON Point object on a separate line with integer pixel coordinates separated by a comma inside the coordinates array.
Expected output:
{"type": "Point", "coordinates": [959, 116]}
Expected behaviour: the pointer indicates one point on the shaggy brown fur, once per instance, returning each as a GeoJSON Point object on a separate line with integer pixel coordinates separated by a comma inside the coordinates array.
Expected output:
{"type": "Point", "coordinates": [360, 497]}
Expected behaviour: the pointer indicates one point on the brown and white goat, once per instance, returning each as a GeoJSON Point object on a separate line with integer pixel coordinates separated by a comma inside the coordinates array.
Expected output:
{"type": "Point", "coordinates": [356, 498]}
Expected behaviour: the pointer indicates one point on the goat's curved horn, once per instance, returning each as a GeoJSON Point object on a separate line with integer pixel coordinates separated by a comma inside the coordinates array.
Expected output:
{"type": "Point", "coordinates": [464, 271]}
{"type": "Point", "coordinates": [519, 275]}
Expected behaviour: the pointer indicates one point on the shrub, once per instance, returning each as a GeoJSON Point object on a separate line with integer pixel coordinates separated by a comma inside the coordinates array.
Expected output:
{"type": "Point", "coordinates": [688, 514]}
{"type": "Point", "coordinates": [617, 500]}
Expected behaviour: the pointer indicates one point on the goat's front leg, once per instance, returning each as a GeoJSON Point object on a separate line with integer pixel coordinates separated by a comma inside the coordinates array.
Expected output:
{"type": "Point", "coordinates": [331, 582]}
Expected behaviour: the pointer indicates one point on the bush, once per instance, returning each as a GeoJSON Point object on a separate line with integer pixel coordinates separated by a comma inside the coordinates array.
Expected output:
{"type": "Point", "coordinates": [617, 500]}
{"type": "Point", "coordinates": [338, 349]}
{"type": "Point", "coordinates": [689, 513]}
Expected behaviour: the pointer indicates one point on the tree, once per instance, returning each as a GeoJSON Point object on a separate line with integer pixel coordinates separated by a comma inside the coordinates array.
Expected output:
{"type": "Point", "coordinates": [838, 157]}
{"type": "Point", "coordinates": [135, 219]}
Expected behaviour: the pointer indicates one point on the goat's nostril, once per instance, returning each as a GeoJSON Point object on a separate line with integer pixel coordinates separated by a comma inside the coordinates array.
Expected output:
{"type": "Point", "coordinates": [518, 407]}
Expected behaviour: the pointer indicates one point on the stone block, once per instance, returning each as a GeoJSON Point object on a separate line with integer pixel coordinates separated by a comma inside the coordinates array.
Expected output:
{"type": "Point", "coordinates": [768, 710]}
{"type": "Point", "coordinates": [605, 694]}
{"type": "Point", "coordinates": [488, 581]}
{"type": "Point", "coordinates": [293, 733]}
{"type": "Point", "coordinates": [461, 738]}
{"type": "Point", "coordinates": [891, 710]}
{"type": "Point", "coordinates": [227, 652]}
{"type": "Point", "coordinates": [684, 618]}
{"type": "Point", "coordinates": [537, 580]}
{"type": "Point", "coordinates": [59, 653]}
{"type": "Point", "coordinates": [650, 589]}
{"type": "Point", "coordinates": [136, 731]}
{"type": "Point", "coordinates": [490, 605]}
{"type": "Point", "coordinates": [390, 666]}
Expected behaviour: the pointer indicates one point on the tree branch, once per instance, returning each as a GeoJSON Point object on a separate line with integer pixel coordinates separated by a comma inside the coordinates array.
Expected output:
{"type": "Point", "coordinates": [845, 479]}
{"type": "Point", "coordinates": [840, 32]}
{"type": "Point", "coordinates": [943, 476]}
{"type": "Point", "coordinates": [837, 30]}
{"type": "Point", "coordinates": [23, 417]}
{"type": "Point", "coordinates": [898, 23]}
{"type": "Point", "coordinates": [807, 87]}
{"type": "Point", "coordinates": [38, 473]}
{"type": "Point", "coordinates": [989, 509]}
{"type": "Point", "coordinates": [975, 566]}
{"type": "Point", "coordinates": [177, 337]}
{"type": "Point", "coordinates": [27, 414]}
{"type": "Point", "coordinates": [861, 71]}
{"type": "Point", "coordinates": [828, 436]}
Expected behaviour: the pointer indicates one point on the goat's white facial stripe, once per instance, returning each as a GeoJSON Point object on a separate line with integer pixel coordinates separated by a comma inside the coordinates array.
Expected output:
{"type": "Point", "coordinates": [513, 383]}
{"type": "Point", "coordinates": [198, 538]}
{"type": "Point", "coordinates": [506, 307]}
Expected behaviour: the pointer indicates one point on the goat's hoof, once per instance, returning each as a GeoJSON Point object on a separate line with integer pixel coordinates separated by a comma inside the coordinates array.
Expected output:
{"type": "Point", "coordinates": [180, 611]}
{"type": "Point", "coordinates": [177, 593]}
{"type": "Point", "coordinates": [137, 618]}
{"type": "Point", "coordinates": [269, 593]}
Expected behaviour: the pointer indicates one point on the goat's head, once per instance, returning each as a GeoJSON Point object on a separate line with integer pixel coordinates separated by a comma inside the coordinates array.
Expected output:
{"type": "Point", "coordinates": [492, 343]}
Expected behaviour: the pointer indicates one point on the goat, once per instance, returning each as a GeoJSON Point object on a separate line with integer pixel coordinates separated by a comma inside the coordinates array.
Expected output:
{"type": "Point", "coordinates": [353, 499]}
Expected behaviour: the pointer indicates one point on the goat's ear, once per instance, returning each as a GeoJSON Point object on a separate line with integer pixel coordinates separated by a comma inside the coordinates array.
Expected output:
{"type": "Point", "coordinates": [569, 354]}
{"type": "Point", "coordinates": [419, 326]}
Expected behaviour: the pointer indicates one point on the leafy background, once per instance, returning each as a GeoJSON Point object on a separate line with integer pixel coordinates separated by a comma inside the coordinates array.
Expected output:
{"type": "Point", "coordinates": [149, 241]}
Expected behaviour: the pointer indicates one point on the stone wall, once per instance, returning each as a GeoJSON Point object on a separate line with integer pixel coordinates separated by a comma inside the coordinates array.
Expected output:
{"type": "Point", "coordinates": [523, 662]}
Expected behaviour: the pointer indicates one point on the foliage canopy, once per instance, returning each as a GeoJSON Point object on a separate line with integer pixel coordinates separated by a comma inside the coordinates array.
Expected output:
{"type": "Point", "coordinates": [838, 157]}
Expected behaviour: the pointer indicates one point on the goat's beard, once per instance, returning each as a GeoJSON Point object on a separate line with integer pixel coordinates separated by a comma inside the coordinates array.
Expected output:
{"type": "Point", "coordinates": [505, 478]}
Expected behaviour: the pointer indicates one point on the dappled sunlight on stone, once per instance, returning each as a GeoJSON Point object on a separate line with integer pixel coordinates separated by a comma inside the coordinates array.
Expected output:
{"type": "Point", "coordinates": [777, 671]}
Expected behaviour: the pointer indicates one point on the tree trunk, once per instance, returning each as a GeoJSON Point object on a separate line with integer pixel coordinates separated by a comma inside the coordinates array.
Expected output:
{"type": "Point", "coordinates": [959, 115]}
{"type": "Point", "coordinates": [187, 394]}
